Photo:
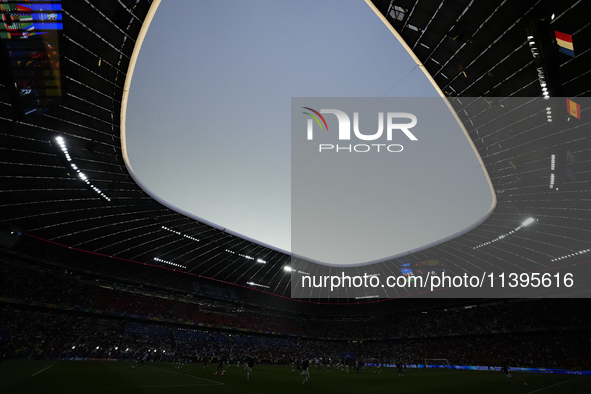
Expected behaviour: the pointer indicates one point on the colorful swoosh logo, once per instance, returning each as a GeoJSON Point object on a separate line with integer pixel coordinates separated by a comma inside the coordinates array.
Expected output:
{"type": "Point", "coordinates": [315, 118]}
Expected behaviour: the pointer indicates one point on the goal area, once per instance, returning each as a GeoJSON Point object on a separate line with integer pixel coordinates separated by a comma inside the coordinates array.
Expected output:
{"type": "Point", "coordinates": [437, 363]}
{"type": "Point", "coordinates": [371, 362]}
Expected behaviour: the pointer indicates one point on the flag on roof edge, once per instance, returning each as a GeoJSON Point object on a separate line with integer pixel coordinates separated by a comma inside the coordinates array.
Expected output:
{"type": "Point", "coordinates": [565, 43]}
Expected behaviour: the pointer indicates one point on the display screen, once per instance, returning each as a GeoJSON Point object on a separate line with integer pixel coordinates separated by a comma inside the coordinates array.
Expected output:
{"type": "Point", "coordinates": [30, 34]}
{"type": "Point", "coordinates": [423, 268]}
{"type": "Point", "coordinates": [22, 19]}
{"type": "Point", "coordinates": [434, 267]}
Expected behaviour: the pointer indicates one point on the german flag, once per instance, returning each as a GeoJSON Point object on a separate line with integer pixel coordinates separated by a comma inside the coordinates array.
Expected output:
{"type": "Point", "coordinates": [573, 109]}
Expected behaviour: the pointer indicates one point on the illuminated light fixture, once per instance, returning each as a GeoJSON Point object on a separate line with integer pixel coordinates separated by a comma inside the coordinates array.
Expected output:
{"type": "Point", "coordinates": [571, 255]}
{"type": "Point", "coordinates": [553, 16]}
{"type": "Point", "coordinates": [179, 233]}
{"type": "Point", "coordinates": [548, 109]}
{"type": "Point", "coordinates": [525, 223]}
{"type": "Point", "coordinates": [371, 296]}
{"type": "Point", "coordinates": [287, 268]}
{"type": "Point", "coordinates": [168, 262]}
{"type": "Point", "coordinates": [81, 175]}
{"type": "Point", "coordinates": [261, 261]}
{"type": "Point", "coordinates": [541, 75]}
{"type": "Point", "coordinates": [257, 285]}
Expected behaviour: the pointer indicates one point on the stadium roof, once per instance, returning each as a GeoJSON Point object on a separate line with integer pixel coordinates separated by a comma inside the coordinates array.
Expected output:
{"type": "Point", "coordinates": [472, 49]}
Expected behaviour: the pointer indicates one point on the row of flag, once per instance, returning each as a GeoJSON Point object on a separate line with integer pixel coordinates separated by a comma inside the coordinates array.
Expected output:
{"type": "Point", "coordinates": [565, 45]}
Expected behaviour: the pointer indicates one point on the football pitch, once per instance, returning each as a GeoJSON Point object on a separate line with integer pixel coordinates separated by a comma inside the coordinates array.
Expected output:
{"type": "Point", "coordinates": [119, 377]}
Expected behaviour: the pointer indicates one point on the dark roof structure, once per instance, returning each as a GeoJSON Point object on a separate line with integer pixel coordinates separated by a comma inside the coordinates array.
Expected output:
{"type": "Point", "coordinates": [479, 54]}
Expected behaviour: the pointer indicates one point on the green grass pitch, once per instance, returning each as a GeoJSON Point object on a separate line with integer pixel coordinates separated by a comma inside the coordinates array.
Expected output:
{"type": "Point", "coordinates": [119, 377]}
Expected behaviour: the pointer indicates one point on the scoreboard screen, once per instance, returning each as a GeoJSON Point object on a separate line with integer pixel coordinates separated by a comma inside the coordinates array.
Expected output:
{"type": "Point", "coordinates": [30, 32]}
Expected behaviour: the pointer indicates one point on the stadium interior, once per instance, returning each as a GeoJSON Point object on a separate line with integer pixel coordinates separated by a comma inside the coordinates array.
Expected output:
{"type": "Point", "coordinates": [92, 267]}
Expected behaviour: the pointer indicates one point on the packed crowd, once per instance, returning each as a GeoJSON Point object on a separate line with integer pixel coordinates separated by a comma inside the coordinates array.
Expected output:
{"type": "Point", "coordinates": [45, 285]}
{"type": "Point", "coordinates": [176, 282]}
{"type": "Point", "coordinates": [43, 334]}
{"type": "Point", "coordinates": [537, 333]}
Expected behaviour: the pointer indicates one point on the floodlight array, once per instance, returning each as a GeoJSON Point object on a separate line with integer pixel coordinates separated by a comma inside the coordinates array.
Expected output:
{"type": "Point", "coordinates": [287, 268]}
{"type": "Point", "coordinates": [525, 223]}
{"type": "Point", "coordinates": [552, 168]}
{"type": "Point", "coordinates": [81, 175]}
{"type": "Point", "coordinates": [179, 233]}
{"type": "Point", "coordinates": [566, 256]}
{"type": "Point", "coordinates": [258, 260]}
{"type": "Point", "coordinates": [257, 285]}
{"type": "Point", "coordinates": [168, 262]}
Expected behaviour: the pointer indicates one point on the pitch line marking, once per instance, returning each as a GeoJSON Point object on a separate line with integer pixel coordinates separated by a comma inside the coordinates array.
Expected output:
{"type": "Point", "coordinates": [44, 369]}
{"type": "Point", "coordinates": [556, 384]}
